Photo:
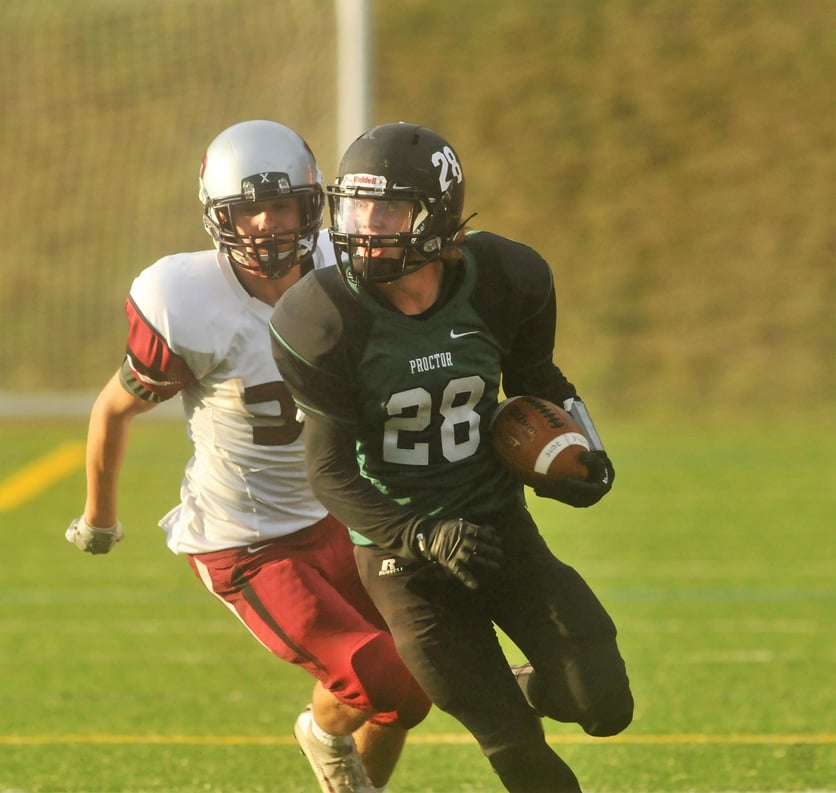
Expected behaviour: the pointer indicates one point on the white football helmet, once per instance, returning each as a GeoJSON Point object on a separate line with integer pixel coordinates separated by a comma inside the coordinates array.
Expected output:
{"type": "Point", "coordinates": [253, 161]}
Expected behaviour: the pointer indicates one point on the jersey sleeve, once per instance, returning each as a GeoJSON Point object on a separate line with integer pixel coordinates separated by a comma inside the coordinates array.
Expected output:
{"type": "Point", "coordinates": [529, 368]}
{"type": "Point", "coordinates": [312, 362]}
{"type": "Point", "coordinates": [335, 478]}
{"type": "Point", "coordinates": [516, 298]}
{"type": "Point", "coordinates": [151, 369]}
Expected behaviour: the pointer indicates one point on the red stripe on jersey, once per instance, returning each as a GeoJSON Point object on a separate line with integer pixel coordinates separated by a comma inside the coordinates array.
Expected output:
{"type": "Point", "coordinates": [151, 360]}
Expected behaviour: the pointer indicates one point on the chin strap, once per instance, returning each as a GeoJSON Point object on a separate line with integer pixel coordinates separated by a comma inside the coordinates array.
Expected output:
{"type": "Point", "coordinates": [577, 410]}
{"type": "Point", "coordinates": [463, 224]}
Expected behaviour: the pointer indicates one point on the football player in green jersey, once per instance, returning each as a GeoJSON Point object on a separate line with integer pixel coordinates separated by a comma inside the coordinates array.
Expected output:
{"type": "Point", "coordinates": [396, 356]}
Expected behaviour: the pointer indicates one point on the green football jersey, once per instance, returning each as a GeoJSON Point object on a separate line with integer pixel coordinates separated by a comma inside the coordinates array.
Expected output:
{"type": "Point", "coordinates": [418, 392]}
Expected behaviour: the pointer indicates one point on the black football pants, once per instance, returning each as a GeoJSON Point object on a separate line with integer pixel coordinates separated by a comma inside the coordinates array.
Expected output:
{"type": "Point", "coordinates": [445, 634]}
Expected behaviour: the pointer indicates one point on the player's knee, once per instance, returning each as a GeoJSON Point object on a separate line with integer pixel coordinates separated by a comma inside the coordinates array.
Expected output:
{"type": "Point", "coordinates": [595, 693]}
{"type": "Point", "coordinates": [610, 714]}
{"type": "Point", "coordinates": [388, 684]}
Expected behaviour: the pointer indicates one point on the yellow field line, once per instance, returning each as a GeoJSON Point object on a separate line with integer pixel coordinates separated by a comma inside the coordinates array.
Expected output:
{"type": "Point", "coordinates": [40, 474]}
{"type": "Point", "coordinates": [444, 738]}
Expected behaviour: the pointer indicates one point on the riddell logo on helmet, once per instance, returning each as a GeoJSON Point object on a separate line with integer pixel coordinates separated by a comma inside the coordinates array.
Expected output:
{"type": "Point", "coordinates": [368, 181]}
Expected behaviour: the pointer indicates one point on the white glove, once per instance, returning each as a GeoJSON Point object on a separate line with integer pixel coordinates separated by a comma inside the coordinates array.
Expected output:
{"type": "Point", "coordinates": [92, 539]}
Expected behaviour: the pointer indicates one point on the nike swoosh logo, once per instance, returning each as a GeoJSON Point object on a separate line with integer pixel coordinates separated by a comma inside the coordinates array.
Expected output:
{"type": "Point", "coordinates": [257, 548]}
{"type": "Point", "coordinates": [454, 335]}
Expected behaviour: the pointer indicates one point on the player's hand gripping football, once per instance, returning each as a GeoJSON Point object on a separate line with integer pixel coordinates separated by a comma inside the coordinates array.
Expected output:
{"type": "Point", "coordinates": [464, 549]}
{"type": "Point", "coordinates": [579, 493]}
{"type": "Point", "coordinates": [92, 539]}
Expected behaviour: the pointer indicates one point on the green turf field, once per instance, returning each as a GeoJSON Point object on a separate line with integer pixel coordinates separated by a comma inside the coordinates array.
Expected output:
{"type": "Point", "coordinates": [714, 553]}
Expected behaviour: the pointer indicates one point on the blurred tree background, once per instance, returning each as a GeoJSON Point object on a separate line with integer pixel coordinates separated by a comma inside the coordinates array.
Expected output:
{"type": "Point", "coordinates": [675, 161]}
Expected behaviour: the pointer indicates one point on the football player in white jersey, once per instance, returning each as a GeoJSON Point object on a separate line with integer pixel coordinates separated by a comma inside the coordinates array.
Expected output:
{"type": "Point", "coordinates": [248, 522]}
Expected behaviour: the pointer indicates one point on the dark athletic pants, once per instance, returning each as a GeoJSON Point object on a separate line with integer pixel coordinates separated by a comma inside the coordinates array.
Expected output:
{"type": "Point", "coordinates": [445, 634]}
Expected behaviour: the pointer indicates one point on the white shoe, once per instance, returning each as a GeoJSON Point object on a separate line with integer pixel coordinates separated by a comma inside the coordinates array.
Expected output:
{"type": "Point", "coordinates": [338, 768]}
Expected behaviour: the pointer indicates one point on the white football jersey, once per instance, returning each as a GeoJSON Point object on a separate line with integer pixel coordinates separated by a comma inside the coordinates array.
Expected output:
{"type": "Point", "coordinates": [195, 330]}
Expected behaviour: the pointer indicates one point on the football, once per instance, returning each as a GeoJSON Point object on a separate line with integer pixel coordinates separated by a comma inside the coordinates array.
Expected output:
{"type": "Point", "coordinates": [537, 440]}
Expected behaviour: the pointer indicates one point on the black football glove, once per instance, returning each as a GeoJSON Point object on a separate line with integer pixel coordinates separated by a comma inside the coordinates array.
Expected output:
{"type": "Point", "coordinates": [577, 493]}
{"type": "Point", "coordinates": [464, 549]}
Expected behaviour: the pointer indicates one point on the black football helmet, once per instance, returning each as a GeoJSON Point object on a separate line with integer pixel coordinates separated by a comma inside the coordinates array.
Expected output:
{"type": "Point", "coordinates": [253, 161]}
{"type": "Point", "coordinates": [396, 203]}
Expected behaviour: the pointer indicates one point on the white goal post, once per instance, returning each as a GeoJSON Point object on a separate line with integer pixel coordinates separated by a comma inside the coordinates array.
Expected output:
{"type": "Point", "coordinates": [353, 71]}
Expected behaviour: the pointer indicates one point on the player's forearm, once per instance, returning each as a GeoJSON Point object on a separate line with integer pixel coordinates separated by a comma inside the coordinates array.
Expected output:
{"type": "Point", "coordinates": [346, 494]}
{"type": "Point", "coordinates": [107, 443]}
{"type": "Point", "coordinates": [357, 504]}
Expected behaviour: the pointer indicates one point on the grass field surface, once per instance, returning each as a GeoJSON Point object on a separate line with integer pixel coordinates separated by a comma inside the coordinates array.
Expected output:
{"type": "Point", "coordinates": [714, 554]}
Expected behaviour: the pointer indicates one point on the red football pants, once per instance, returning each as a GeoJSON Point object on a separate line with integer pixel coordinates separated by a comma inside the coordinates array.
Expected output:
{"type": "Point", "coordinates": [302, 598]}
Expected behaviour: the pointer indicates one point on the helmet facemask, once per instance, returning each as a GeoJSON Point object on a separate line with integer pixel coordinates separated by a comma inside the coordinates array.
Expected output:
{"type": "Point", "coordinates": [270, 254]}
{"type": "Point", "coordinates": [380, 236]}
